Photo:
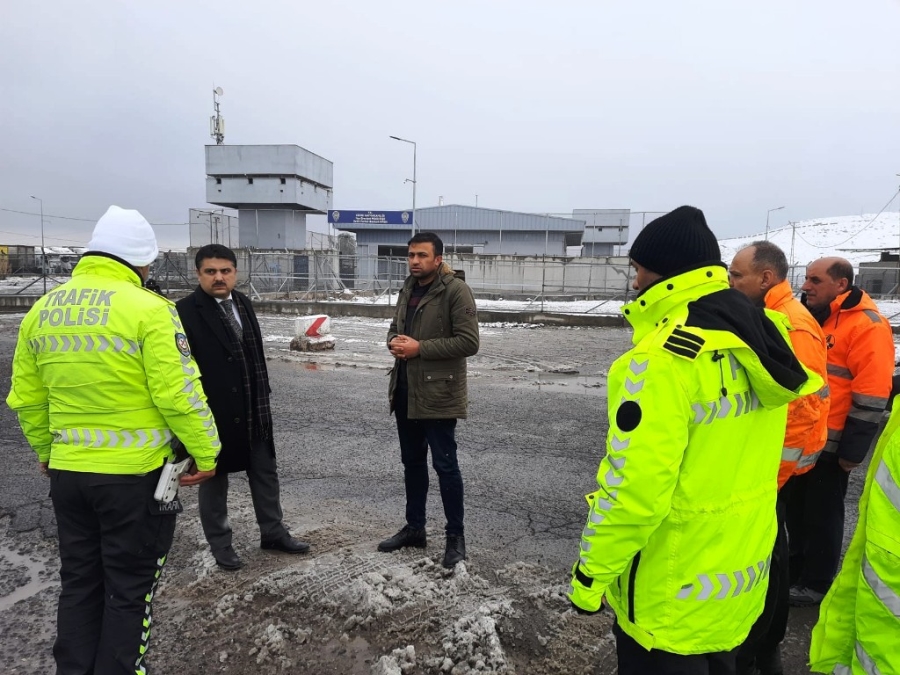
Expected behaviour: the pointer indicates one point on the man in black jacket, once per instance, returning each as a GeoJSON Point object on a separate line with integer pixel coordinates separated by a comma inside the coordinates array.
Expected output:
{"type": "Point", "coordinates": [225, 339]}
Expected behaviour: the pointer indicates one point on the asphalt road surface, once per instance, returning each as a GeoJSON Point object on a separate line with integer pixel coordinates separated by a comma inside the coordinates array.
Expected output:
{"type": "Point", "coordinates": [528, 452]}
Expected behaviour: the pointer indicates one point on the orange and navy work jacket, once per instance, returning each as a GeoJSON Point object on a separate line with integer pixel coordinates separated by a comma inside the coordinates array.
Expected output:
{"type": "Point", "coordinates": [860, 368]}
{"type": "Point", "coordinates": [807, 420]}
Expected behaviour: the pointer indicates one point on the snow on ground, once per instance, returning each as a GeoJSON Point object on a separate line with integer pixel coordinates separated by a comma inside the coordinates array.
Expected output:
{"type": "Point", "coordinates": [844, 236]}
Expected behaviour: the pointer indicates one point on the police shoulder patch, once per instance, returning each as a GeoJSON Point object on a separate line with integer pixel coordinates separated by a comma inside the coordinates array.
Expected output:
{"type": "Point", "coordinates": [628, 416]}
{"type": "Point", "coordinates": [182, 343]}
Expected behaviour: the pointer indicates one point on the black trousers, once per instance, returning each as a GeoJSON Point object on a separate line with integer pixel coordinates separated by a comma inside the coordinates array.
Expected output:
{"type": "Point", "coordinates": [770, 628]}
{"type": "Point", "coordinates": [635, 660]}
{"type": "Point", "coordinates": [113, 543]}
{"type": "Point", "coordinates": [262, 474]}
{"type": "Point", "coordinates": [416, 436]}
{"type": "Point", "coordinates": [815, 523]}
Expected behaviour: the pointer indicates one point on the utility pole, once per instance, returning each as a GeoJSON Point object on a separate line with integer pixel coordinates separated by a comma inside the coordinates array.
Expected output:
{"type": "Point", "coordinates": [778, 208]}
{"type": "Point", "coordinates": [897, 286]}
{"type": "Point", "coordinates": [413, 181]}
{"type": "Point", "coordinates": [793, 235]}
{"type": "Point", "coordinates": [43, 252]}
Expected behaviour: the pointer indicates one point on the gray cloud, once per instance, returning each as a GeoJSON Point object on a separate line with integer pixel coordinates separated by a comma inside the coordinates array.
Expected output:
{"type": "Point", "coordinates": [733, 107]}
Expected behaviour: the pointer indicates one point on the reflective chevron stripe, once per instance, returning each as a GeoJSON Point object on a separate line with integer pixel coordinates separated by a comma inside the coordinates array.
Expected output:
{"type": "Point", "coordinates": [880, 588]}
{"type": "Point", "coordinates": [866, 661]}
{"type": "Point", "coordinates": [140, 668]}
{"type": "Point", "coordinates": [726, 585]}
{"type": "Point", "coordinates": [83, 343]}
{"type": "Point", "coordinates": [727, 406]}
{"type": "Point", "coordinates": [109, 438]}
{"type": "Point", "coordinates": [888, 485]}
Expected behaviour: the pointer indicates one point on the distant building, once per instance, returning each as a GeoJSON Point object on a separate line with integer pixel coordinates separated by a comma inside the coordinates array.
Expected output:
{"type": "Point", "coordinates": [469, 229]}
{"type": "Point", "coordinates": [880, 277]}
{"type": "Point", "coordinates": [273, 188]}
{"type": "Point", "coordinates": [604, 229]}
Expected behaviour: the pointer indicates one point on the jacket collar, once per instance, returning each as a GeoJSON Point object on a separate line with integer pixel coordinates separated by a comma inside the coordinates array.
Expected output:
{"type": "Point", "coordinates": [670, 294]}
{"type": "Point", "coordinates": [779, 294]}
{"type": "Point", "coordinates": [854, 299]}
{"type": "Point", "coordinates": [444, 276]}
{"type": "Point", "coordinates": [109, 266]}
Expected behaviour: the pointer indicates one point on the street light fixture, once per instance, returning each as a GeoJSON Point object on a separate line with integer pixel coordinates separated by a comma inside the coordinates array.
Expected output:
{"type": "Point", "coordinates": [43, 253]}
{"type": "Point", "coordinates": [413, 181]}
{"type": "Point", "coordinates": [767, 219]}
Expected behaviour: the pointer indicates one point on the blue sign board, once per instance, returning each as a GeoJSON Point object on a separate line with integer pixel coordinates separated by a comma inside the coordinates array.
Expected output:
{"type": "Point", "coordinates": [339, 218]}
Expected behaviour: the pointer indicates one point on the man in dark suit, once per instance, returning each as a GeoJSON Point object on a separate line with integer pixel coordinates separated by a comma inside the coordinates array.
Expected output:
{"type": "Point", "coordinates": [225, 339]}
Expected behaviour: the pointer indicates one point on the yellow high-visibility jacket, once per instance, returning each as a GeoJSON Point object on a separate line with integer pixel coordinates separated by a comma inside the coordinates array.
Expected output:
{"type": "Point", "coordinates": [103, 376]}
{"type": "Point", "coordinates": [858, 632]}
{"type": "Point", "coordinates": [679, 534]}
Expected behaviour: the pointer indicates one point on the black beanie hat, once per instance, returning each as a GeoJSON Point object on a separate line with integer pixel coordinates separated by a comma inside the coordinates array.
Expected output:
{"type": "Point", "coordinates": [676, 242]}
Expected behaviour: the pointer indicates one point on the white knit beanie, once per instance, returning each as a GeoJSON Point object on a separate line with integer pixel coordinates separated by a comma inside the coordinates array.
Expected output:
{"type": "Point", "coordinates": [126, 234]}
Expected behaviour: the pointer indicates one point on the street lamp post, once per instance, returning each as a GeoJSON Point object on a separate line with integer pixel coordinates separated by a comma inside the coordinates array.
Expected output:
{"type": "Point", "coordinates": [413, 143]}
{"type": "Point", "coordinates": [43, 254]}
{"type": "Point", "coordinates": [767, 219]}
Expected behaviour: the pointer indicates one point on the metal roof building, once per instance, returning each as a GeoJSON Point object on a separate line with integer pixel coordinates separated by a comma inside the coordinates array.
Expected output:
{"type": "Point", "coordinates": [470, 229]}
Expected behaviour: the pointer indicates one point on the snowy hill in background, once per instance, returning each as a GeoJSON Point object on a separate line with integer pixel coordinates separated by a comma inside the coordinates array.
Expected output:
{"type": "Point", "coordinates": [829, 236]}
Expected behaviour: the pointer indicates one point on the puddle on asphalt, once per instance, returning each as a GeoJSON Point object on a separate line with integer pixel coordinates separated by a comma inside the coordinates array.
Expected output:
{"type": "Point", "coordinates": [34, 585]}
{"type": "Point", "coordinates": [590, 385]}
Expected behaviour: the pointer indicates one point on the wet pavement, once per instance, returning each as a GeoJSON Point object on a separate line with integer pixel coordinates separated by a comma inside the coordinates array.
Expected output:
{"type": "Point", "coordinates": [528, 452]}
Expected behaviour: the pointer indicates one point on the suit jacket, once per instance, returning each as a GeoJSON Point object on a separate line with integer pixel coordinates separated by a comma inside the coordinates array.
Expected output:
{"type": "Point", "coordinates": [220, 372]}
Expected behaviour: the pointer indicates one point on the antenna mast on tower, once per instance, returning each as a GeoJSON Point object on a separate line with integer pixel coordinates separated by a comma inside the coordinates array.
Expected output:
{"type": "Point", "coordinates": [217, 122]}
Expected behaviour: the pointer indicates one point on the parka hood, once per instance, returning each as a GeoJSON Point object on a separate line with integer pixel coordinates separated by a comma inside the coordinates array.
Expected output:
{"type": "Point", "coordinates": [701, 300]}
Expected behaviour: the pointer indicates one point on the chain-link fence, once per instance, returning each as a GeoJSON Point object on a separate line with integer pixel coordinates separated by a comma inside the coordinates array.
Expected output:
{"type": "Point", "coordinates": [330, 273]}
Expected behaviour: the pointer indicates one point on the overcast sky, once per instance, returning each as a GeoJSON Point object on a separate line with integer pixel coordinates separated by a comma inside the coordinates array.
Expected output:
{"type": "Point", "coordinates": [734, 107]}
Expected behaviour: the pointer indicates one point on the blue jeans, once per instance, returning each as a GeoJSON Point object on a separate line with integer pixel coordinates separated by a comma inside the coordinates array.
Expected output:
{"type": "Point", "coordinates": [416, 436]}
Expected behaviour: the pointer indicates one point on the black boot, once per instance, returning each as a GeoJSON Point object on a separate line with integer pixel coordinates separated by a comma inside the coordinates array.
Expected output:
{"type": "Point", "coordinates": [455, 551]}
{"type": "Point", "coordinates": [408, 536]}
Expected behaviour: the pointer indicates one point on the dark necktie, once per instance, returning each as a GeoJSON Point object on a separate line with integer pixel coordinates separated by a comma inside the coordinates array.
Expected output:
{"type": "Point", "coordinates": [228, 308]}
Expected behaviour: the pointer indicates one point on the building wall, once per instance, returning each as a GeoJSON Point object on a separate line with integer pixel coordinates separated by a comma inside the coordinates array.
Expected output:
{"type": "Point", "coordinates": [272, 229]}
{"type": "Point", "coordinates": [482, 241]}
{"type": "Point", "coordinates": [247, 176]}
{"type": "Point", "coordinates": [268, 160]}
{"type": "Point", "coordinates": [603, 226]}
{"type": "Point", "coordinates": [271, 191]}
{"type": "Point", "coordinates": [593, 250]}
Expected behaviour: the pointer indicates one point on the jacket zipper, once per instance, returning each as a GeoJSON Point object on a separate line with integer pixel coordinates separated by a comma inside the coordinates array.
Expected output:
{"type": "Point", "coordinates": [631, 576]}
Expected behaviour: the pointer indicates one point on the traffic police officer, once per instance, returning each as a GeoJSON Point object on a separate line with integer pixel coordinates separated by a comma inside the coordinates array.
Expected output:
{"type": "Point", "coordinates": [103, 380]}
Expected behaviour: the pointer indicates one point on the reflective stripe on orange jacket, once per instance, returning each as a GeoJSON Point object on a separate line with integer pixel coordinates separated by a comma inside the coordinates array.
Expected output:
{"type": "Point", "coordinates": [807, 421]}
{"type": "Point", "coordinates": [860, 367]}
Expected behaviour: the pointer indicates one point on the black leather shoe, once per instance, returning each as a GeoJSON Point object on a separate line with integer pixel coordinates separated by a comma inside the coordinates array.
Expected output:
{"type": "Point", "coordinates": [455, 551]}
{"type": "Point", "coordinates": [408, 536]}
{"type": "Point", "coordinates": [227, 559]}
{"type": "Point", "coordinates": [286, 544]}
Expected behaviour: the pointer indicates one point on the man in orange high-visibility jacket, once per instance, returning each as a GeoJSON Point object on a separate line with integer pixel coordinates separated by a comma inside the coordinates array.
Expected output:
{"type": "Point", "coordinates": [760, 271]}
{"type": "Point", "coordinates": [860, 368]}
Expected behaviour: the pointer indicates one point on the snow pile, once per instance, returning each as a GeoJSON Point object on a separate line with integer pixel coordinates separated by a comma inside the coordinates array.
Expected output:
{"type": "Point", "coordinates": [400, 662]}
{"type": "Point", "coordinates": [472, 644]}
{"type": "Point", "coordinates": [375, 594]}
